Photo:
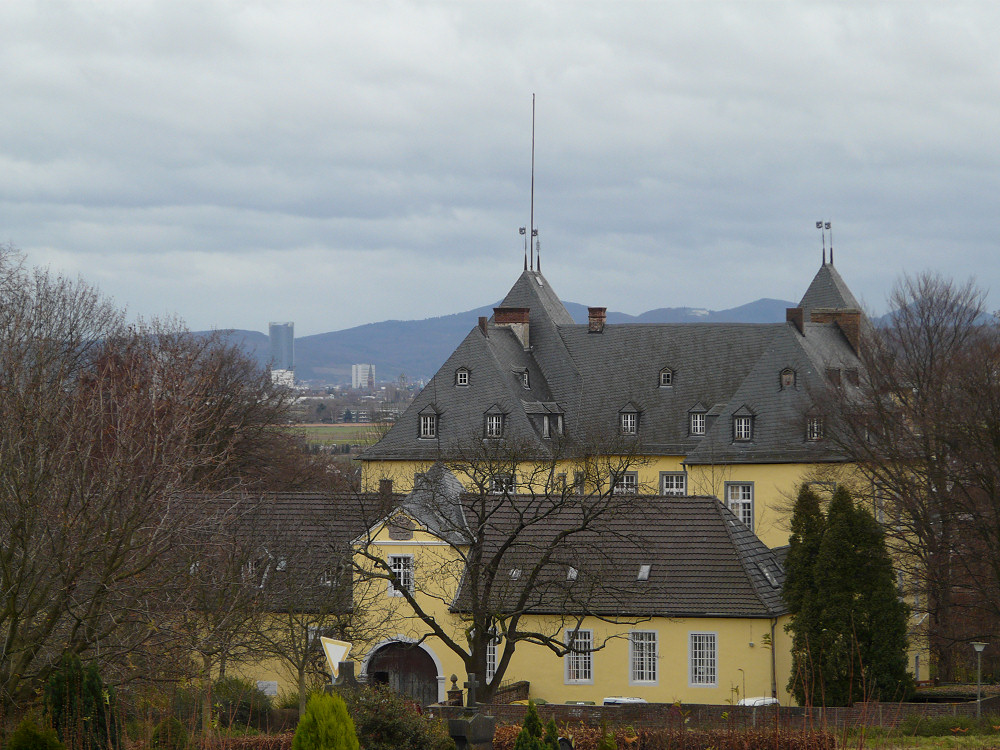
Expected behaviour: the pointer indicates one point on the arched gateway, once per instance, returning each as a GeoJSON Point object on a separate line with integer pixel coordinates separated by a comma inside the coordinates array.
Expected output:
{"type": "Point", "coordinates": [408, 669]}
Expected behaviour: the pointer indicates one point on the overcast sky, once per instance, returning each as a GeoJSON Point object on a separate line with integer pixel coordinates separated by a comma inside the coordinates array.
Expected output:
{"type": "Point", "coordinates": [335, 163]}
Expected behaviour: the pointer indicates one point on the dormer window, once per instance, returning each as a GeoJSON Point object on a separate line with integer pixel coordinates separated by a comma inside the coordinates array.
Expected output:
{"type": "Point", "coordinates": [494, 425]}
{"type": "Point", "coordinates": [629, 422]}
{"type": "Point", "coordinates": [524, 379]}
{"type": "Point", "coordinates": [697, 426]}
{"type": "Point", "coordinates": [428, 426]}
{"type": "Point", "coordinates": [743, 421]}
{"type": "Point", "coordinates": [814, 428]}
{"type": "Point", "coordinates": [552, 424]}
{"type": "Point", "coordinates": [462, 376]}
{"type": "Point", "coordinates": [787, 378]}
{"type": "Point", "coordinates": [666, 377]}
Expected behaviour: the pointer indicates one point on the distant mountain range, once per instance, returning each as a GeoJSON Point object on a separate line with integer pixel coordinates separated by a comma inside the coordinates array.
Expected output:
{"type": "Point", "coordinates": [419, 347]}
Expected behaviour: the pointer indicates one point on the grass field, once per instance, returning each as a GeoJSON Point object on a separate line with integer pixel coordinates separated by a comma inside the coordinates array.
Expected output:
{"type": "Point", "coordinates": [339, 434]}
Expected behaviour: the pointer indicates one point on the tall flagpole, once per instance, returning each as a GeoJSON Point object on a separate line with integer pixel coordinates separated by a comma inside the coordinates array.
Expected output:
{"type": "Point", "coordinates": [531, 223]}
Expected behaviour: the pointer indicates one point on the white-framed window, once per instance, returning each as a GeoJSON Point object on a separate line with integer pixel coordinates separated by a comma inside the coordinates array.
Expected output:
{"type": "Point", "coordinates": [642, 657]}
{"type": "Point", "coordinates": [814, 428]}
{"type": "Point", "coordinates": [673, 483]}
{"type": "Point", "coordinates": [502, 484]}
{"type": "Point", "coordinates": [461, 376]}
{"type": "Point", "coordinates": [494, 425]}
{"type": "Point", "coordinates": [739, 499]}
{"type": "Point", "coordinates": [629, 422]}
{"type": "Point", "coordinates": [626, 483]}
{"type": "Point", "coordinates": [743, 428]}
{"type": "Point", "coordinates": [428, 425]}
{"type": "Point", "coordinates": [525, 380]}
{"type": "Point", "coordinates": [491, 656]}
{"type": "Point", "coordinates": [580, 659]}
{"type": "Point", "coordinates": [666, 377]}
{"type": "Point", "coordinates": [401, 567]}
{"type": "Point", "coordinates": [697, 423]}
{"type": "Point", "coordinates": [787, 378]}
{"type": "Point", "coordinates": [703, 660]}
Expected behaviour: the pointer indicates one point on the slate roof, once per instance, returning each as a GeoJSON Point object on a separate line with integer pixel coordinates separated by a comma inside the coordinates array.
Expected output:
{"type": "Point", "coordinates": [704, 562]}
{"type": "Point", "coordinates": [590, 378]}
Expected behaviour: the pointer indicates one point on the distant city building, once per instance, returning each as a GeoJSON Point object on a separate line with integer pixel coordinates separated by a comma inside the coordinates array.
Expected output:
{"type": "Point", "coordinates": [282, 340]}
{"type": "Point", "coordinates": [363, 376]}
{"type": "Point", "coordinates": [283, 377]}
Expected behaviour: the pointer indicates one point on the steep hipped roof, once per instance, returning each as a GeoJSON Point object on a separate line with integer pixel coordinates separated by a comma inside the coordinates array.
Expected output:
{"type": "Point", "coordinates": [828, 290]}
{"type": "Point", "coordinates": [590, 377]}
{"type": "Point", "coordinates": [703, 562]}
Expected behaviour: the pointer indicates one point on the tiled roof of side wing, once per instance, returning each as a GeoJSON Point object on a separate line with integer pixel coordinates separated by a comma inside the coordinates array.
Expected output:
{"type": "Point", "coordinates": [703, 562]}
{"type": "Point", "coordinates": [622, 365]}
{"type": "Point", "coordinates": [827, 290]}
{"type": "Point", "coordinates": [779, 428]}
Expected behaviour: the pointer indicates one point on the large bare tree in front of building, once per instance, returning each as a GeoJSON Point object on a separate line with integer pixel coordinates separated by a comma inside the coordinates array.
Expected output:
{"type": "Point", "coordinates": [105, 429]}
{"type": "Point", "coordinates": [922, 429]}
{"type": "Point", "coordinates": [523, 553]}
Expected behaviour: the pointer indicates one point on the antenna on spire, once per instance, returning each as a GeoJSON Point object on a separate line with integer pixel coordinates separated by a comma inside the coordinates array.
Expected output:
{"type": "Point", "coordinates": [531, 223]}
{"type": "Point", "coordinates": [829, 225]}
{"type": "Point", "coordinates": [819, 226]}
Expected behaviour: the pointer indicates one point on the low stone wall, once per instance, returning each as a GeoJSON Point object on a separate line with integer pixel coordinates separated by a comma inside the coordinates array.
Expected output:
{"type": "Point", "coordinates": [661, 715]}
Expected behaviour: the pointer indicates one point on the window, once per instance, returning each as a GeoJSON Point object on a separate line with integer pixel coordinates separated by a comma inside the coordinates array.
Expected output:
{"type": "Point", "coordinates": [491, 656]}
{"type": "Point", "coordinates": [814, 428]}
{"type": "Point", "coordinates": [572, 573]}
{"type": "Point", "coordinates": [787, 379]}
{"type": "Point", "coordinates": [673, 483]}
{"type": "Point", "coordinates": [461, 376]}
{"type": "Point", "coordinates": [579, 482]}
{"type": "Point", "coordinates": [739, 499]}
{"type": "Point", "coordinates": [626, 484]}
{"type": "Point", "coordinates": [494, 425]}
{"type": "Point", "coordinates": [642, 656]}
{"type": "Point", "coordinates": [502, 484]}
{"type": "Point", "coordinates": [698, 423]}
{"type": "Point", "coordinates": [644, 570]}
{"type": "Point", "coordinates": [629, 422]}
{"type": "Point", "coordinates": [702, 656]}
{"type": "Point", "coordinates": [428, 425]}
{"type": "Point", "coordinates": [743, 428]}
{"type": "Point", "coordinates": [580, 659]}
{"type": "Point", "coordinates": [666, 378]}
{"type": "Point", "coordinates": [524, 379]}
{"type": "Point", "coordinates": [551, 423]}
{"type": "Point", "coordinates": [402, 568]}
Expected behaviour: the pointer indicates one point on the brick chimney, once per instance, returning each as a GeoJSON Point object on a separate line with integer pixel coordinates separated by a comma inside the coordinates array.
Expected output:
{"type": "Point", "coordinates": [596, 317]}
{"type": "Point", "coordinates": [847, 320]}
{"type": "Point", "coordinates": [482, 324]}
{"type": "Point", "coordinates": [795, 315]}
{"type": "Point", "coordinates": [514, 318]}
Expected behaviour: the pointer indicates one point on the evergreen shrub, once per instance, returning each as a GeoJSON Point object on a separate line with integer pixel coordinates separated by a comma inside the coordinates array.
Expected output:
{"type": "Point", "coordinates": [81, 708]}
{"type": "Point", "coordinates": [30, 736]}
{"type": "Point", "coordinates": [325, 725]}
{"type": "Point", "coordinates": [240, 703]}
{"type": "Point", "coordinates": [169, 734]}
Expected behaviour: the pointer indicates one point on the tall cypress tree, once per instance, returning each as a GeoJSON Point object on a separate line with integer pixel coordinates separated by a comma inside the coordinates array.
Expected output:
{"type": "Point", "coordinates": [799, 591]}
{"type": "Point", "coordinates": [848, 624]}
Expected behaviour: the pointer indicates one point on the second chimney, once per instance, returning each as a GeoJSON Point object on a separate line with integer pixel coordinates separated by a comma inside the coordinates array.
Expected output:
{"type": "Point", "coordinates": [514, 318]}
{"type": "Point", "coordinates": [596, 317]}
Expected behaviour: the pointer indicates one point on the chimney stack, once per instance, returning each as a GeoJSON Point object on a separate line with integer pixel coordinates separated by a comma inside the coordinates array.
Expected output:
{"type": "Point", "coordinates": [596, 317]}
{"type": "Point", "coordinates": [514, 318]}
{"type": "Point", "coordinates": [482, 324]}
{"type": "Point", "coordinates": [848, 321]}
{"type": "Point", "coordinates": [795, 315]}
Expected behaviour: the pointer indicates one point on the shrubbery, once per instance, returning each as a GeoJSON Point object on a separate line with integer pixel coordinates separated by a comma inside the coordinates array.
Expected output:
{"type": "Point", "coordinates": [388, 721]}
{"type": "Point", "coordinates": [325, 725]}
{"type": "Point", "coordinates": [169, 734]}
{"type": "Point", "coordinates": [237, 702]}
{"type": "Point", "coordinates": [589, 738]}
{"type": "Point", "coordinates": [81, 708]}
{"type": "Point", "coordinates": [30, 736]}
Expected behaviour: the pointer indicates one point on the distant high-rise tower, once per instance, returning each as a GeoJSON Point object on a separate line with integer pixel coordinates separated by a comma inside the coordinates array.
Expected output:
{"type": "Point", "coordinates": [282, 337]}
{"type": "Point", "coordinates": [363, 376]}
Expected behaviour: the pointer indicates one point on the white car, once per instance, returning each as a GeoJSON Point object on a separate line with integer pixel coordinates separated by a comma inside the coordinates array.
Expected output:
{"type": "Point", "coordinates": [618, 700]}
{"type": "Point", "coordinates": [761, 701]}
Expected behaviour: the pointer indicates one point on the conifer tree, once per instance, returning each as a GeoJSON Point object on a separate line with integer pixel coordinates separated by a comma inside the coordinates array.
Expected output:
{"type": "Point", "coordinates": [849, 627]}
{"type": "Point", "coordinates": [799, 591]}
{"type": "Point", "coordinates": [325, 725]}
